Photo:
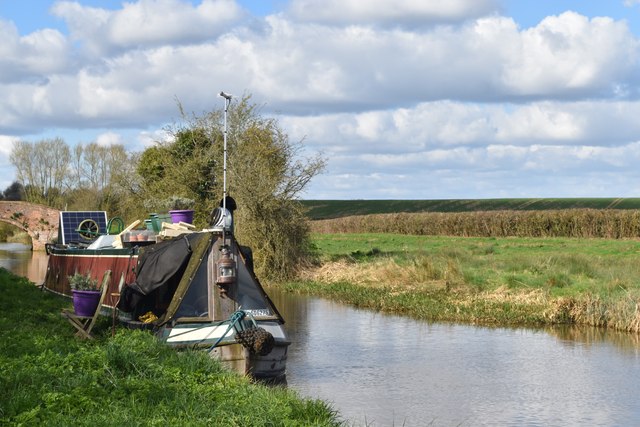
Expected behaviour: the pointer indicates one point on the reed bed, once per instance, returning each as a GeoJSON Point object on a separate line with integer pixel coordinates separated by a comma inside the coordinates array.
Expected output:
{"type": "Point", "coordinates": [511, 280]}
{"type": "Point", "coordinates": [574, 223]}
{"type": "Point", "coordinates": [443, 294]}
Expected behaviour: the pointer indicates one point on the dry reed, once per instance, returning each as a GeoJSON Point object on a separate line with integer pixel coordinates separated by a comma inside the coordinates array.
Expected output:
{"type": "Point", "coordinates": [422, 276]}
{"type": "Point", "coordinates": [579, 223]}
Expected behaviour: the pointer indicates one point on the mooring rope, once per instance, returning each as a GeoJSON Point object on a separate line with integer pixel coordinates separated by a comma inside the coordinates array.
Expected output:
{"type": "Point", "coordinates": [234, 320]}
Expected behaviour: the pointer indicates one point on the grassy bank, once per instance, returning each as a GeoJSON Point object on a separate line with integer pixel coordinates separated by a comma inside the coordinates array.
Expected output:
{"type": "Point", "coordinates": [49, 377]}
{"type": "Point", "coordinates": [531, 281]}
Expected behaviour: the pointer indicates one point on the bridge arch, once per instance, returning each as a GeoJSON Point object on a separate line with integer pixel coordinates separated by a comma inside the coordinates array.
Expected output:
{"type": "Point", "coordinates": [39, 221]}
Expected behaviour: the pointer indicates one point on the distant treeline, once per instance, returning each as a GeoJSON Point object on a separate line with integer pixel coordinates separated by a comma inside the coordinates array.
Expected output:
{"type": "Point", "coordinates": [325, 209]}
{"type": "Point", "coordinates": [582, 223]}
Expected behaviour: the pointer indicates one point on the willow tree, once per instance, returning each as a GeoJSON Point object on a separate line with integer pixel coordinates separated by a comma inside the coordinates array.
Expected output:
{"type": "Point", "coordinates": [266, 173]}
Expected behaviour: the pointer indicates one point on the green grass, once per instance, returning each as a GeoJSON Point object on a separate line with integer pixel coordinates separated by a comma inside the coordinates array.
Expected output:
{"type": "Point", "coordinates": [49, 377]}
{"type": "Point", "coordinates": [563, 266]}
{"type": "Point", "coordinates": [324, 209]}
{"type": "Point", "coordinates": [483, 280]}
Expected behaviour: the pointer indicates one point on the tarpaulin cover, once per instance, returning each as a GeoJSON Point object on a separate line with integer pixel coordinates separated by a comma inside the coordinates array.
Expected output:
{"type": "Point", "coordinates": [159, 266]}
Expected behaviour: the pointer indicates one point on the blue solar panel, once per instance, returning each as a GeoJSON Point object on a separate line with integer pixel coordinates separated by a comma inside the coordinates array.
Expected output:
{"type": "Point", "coordinates": [93, 223]}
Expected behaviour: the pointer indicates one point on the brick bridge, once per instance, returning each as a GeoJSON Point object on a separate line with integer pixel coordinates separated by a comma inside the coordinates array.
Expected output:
{"type": "Point", "coordinates": [40, 222]}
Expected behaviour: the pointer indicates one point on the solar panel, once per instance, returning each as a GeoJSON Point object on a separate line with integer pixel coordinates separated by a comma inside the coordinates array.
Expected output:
{"type": "Point", "coordinates": [82, 226]}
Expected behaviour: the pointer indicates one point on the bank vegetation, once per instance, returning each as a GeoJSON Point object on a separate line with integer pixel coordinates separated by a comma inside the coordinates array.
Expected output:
{"type": "Point", "coordinates": [493, 281]}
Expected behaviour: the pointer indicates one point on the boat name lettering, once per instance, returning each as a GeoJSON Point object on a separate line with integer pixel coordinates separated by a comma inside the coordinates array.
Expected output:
{"type": "Point", "coordinates": [259, 312]}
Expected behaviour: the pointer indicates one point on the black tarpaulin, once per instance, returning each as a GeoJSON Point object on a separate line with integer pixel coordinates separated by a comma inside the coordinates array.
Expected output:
{"type": "Point", "coordinates": [159, 267]}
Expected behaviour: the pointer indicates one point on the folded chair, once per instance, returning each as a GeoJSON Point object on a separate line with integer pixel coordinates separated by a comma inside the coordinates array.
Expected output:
{"type": "Point", "coordinates": [84, 324]}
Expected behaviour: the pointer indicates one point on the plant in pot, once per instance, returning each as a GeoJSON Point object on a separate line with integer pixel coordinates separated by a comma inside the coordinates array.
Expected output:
{"type": "Point", "coordinates": [86, 294]}
{"type": "Point", "coordinates": [181, 209]}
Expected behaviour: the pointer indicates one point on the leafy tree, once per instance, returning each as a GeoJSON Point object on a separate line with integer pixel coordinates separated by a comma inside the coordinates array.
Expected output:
{"type": "Point", "coordinates": [151, 165]}
{"type": "Point", "coordinates": [266, 174]}
{"type": "Point", "coordinates": [183, 167]}
{"type": "Point", "coordinates": [15, 191]}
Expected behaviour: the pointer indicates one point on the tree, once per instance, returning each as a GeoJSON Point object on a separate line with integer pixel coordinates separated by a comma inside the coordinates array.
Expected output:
{"type": "Point", "coordinates": [266, 175]}
{"type": "Point", "coordinates": [182, 167]}
{"type": "Point", "coordinates": [90, 176]}
{"type": "Point", "coordinates": [43, 169]}
{"type": "Point", "coordinates": [14, 192]}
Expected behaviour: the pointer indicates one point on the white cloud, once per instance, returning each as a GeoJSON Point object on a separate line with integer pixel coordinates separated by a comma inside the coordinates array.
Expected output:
{"type": "Point", "coordinates": [7, 171]}
{"type": "Point", "coordinates": [447, 124]}
{"type": "Point", "coordinates": [411, 12]}
{"type": "Point", "coordinates": [109, 138]}
{"type": "Point", "coordinates": [542, 121]}
{"type": "Point", "coordinates": [6, 145]}
{"type": "Point", "coordinates": [32, 57]}
{"type": "Point", "coordinates": [394, 101]}
{"type": "Point", "coordinates": [570, 53]}
{"type": "Point", "coordinates": [308, 68]}
{"type": "Point", "coordinates": [499, 151]}
{"type": "Point", "coordinates": [147, 139]}
{"type": "Point", "coordinates": [147, 23]}
{"type": "Point", "coordinates": [494, 171]}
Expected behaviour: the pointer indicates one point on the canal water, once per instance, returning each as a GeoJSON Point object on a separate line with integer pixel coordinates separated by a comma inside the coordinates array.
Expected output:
{"type": "Point", "coordinates": [381, 370]}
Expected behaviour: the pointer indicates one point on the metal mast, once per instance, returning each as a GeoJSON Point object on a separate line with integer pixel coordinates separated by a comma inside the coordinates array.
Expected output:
{"type": "Point", "coordinates": [227, 101]}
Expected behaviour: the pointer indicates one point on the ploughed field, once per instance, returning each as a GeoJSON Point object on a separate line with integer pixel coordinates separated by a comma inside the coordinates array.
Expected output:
{"type": "Point", "coordinates": [323, 209]}
{"type": "Point", "coordinates": [580, 218]}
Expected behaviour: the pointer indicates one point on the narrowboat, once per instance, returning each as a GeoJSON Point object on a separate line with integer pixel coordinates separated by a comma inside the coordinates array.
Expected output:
{"type": "Point", "coordinates": [194, 290]}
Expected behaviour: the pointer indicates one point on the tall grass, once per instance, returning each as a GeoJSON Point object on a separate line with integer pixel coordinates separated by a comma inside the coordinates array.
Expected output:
{"type": "Point", "coordinates": [49, 377]}
{"type": "Point", "coordinates": [482, 280]}
{"type": "Point", "coordinates": [581, 223]}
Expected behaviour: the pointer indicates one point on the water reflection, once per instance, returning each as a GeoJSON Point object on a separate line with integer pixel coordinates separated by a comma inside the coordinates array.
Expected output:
{"type": "Point", "coordinates": [572, 335]}
{"type": "Point", "coordinates": [19, 259]}
{"type": "Point", "coordinates": [381, 370]}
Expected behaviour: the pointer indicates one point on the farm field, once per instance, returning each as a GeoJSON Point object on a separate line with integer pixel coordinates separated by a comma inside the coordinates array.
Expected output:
{"type": "Point", "coordinates": [532, 281]}
{"type": "Point", "coordinates": [325, 209]}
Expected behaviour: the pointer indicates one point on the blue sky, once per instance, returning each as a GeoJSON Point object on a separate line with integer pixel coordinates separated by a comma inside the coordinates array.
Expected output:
{"type": "Point", "coordinates": [406, 99]}
{"type": "Point", "coordinates": [34, 14]}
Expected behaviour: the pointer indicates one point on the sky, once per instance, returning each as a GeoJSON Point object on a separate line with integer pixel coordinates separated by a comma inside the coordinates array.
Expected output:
{"type": "Point", "coordinates": [405, 99]}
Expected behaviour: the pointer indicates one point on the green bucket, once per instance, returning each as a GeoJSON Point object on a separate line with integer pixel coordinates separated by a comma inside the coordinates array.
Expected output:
{"type": "Point", "coordinates": [157, 220]}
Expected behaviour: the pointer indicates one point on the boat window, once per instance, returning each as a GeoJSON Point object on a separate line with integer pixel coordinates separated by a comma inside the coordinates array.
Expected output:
{"type": "Point", "coordinates": [249, 295]}
{"type": "Point", "coordinates": [196, 300]}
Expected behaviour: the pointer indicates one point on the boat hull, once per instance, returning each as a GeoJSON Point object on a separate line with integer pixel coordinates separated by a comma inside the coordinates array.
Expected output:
{"type": "Point", "coordinates": [214, 334]}
{"type": "Point", "coordinates": [269, 367]}
{"type": "Point", "coordinates": [64, 262]}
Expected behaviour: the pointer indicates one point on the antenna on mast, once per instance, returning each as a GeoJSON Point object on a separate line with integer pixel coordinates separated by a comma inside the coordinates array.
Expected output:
{"type": "Point", "coordinates": [227, 100]}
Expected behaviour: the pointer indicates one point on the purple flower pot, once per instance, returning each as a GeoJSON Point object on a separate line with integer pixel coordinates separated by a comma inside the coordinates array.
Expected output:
{"type": "Point", "coordinates": [85, 303]}
{"type": "Point", "coordinates": [182, 216]}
